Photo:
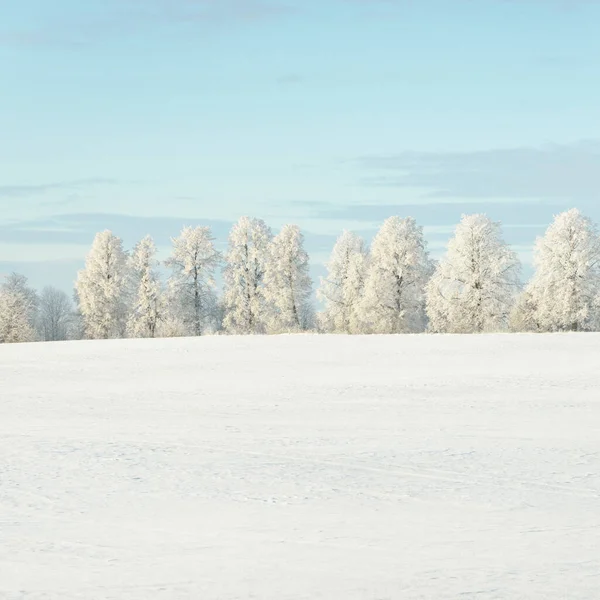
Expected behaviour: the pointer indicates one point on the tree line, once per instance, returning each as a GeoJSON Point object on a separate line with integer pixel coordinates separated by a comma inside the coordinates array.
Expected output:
{"type": "Point", "coordinates": [393, 286]}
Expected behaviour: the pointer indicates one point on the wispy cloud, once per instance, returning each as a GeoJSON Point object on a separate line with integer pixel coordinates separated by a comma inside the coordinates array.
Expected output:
{"type": "Point", "coordinates": [437, 215]}
{"type": "Point", "coordinates": [554, 172]}
{"type": "Point", "coordinates": [80, 228]}
{"type": "Point", "coordinates": [124, 17]}
{"type": "Point", "coordinates": [221, 9]}
{"type": "Point", "coordinates": [559, 3]}
{"type": "Point", "coordinates": [58, 273]}
{"type": "Point", "coordinates": [522, 187]}
{"type": "Point", "coordinates": [289, 79]}
{"type": "Point", "coordinates": [21, 191]}
{"type": "Point", "coordinates": [201, 11]}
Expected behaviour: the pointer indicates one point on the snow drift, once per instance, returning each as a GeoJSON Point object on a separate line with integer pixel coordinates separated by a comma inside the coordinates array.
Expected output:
{"type": "Point", "coordinates": [331, 467]}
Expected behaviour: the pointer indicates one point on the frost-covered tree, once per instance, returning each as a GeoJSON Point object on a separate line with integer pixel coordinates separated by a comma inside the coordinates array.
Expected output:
{"type": "Point", "coordinates": [18, 285]}
{"type": "Point", "coordinates": [399, 267]}
{"type": "Point", "coordinates": [341, 290]}
{"type": "Point", "coordinates": [55, 315]}
{"type": "Point", "coordinates": [192, 299]}
{"type": "Point", "coordinates": [148, 306]}
{"type": "Point", "coordinates": [102, 288]}
{"type": "Point", "coordinates": [475, 285]}
{"type": "Point", "coordinates": [246, 260]}
{"type": "Point", "coordinates": [523, 316]}
{"type": "Point", "coordinates": [17, 303]}
{"type": "Point", "coordinates": [287, 283]}
{"type": "Point", "coordinates": [564, 293]}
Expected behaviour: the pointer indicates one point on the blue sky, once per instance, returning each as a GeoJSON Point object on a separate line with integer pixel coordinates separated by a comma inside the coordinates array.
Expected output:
{"type": "Point", "coordinates": [145, 115]}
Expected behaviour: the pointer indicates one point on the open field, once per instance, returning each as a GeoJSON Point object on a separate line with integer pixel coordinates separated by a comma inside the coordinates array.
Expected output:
{"type": "Point", "coordinates": [397, 467]}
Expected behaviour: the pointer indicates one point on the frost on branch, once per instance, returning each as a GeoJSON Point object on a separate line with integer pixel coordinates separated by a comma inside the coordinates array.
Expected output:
{"type": "Point", "coordinates": [399, 267]}
{"type": "Point", "coordinates": [191, 294]}
{"type": "Point", "coordinates": [564, 293]}
{"type": "Point", "coordinates": [18, 310]}
{"type": "Point", "coordinates": [474, 286]}
{"type": "Point", "coordinates": [341, 290]}
{"type": "Point", "coordinates": [148, 306]}
{"type": "Point", "coordinates": [287, 283]}
{"type": "Point", "coordinates": [246, 261]}
{"type": "Point", "coordinates": [102, 288]}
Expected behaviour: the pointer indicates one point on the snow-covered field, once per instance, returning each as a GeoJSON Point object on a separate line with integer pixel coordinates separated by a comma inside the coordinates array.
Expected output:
{"type": "Point", "coordinates": [309, 467]}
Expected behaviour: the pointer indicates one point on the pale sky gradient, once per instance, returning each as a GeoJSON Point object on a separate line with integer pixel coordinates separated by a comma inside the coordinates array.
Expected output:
{"type": "Point", "coordinates": [146, 115]}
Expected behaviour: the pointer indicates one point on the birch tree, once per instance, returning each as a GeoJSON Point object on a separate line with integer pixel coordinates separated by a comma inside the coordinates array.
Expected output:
{"type": "Point", "coordinates": [55, 314]}
{"type": "Point", "coordinates": [564, 293]}
{"type": "Point", "coordinates": [399, 267]}
{"type": "Point", "coordinates": [148, 306]}
{"type": "Point", "coordinates": [287, 283]}
{"type": "Point", "coordinates": [246, 261]}
{"type": "Point", "coordinates": [102, 288]}
{"type": "Point", "coordinates": [193, 261]}
{"type": "Point", "coordinates": [341, 290]}
{"type": "Point", "coordinates": [475, 285]}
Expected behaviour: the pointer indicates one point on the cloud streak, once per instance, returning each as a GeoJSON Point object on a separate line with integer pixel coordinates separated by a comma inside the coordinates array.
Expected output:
{"type": "Point", "coordinates": [22, 191]}
{"type": "Point", "coordinates": [80, 228]}
{"type": "Point", "coordinates": [567, 4]}
{"type": "Point", "coordinates": [440, 219]}
{"type": "Point", "coordinates": [208, 10]}
{"type": "Point", "coordinates": [124, 17]}
{"type": "Point", "coordinates": [552, 172]}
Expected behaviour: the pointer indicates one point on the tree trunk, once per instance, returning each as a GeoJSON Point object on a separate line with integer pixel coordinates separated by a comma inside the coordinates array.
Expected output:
{"type": "Point", "coordinates": [197, 324]}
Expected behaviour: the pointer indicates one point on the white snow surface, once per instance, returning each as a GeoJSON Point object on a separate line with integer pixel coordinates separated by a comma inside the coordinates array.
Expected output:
{"type": "Point", "coordinates": [288, 467]}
